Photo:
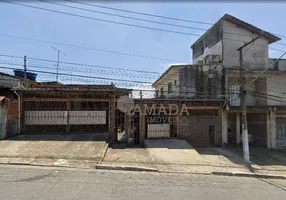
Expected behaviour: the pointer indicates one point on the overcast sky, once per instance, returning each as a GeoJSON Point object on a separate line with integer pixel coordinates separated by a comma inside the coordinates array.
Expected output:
{"type": "Point", "coordinates": [43, 25]}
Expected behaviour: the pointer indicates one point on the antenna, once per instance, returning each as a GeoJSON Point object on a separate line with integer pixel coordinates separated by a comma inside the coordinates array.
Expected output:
{"type": "Point", "coordinates": [58, 62]}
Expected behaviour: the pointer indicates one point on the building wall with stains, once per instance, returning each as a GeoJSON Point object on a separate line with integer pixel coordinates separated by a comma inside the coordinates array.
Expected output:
{"type": "Point", "coordinates": [257, 54]}
{"type": "Point", "coordinates": [201, 81]}
{"type": "Point", "coordinates": [196, 130]}
{"type": "Point", "coordinates": [209, 43]}
{"type": "Point", "coordinates": [276, 91]}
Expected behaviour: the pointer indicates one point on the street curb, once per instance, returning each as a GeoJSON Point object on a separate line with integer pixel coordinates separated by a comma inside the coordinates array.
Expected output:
{"type": "Point", "coordinates": [255, 175]}
{"type": "Point", "coordinates": [126, 168]}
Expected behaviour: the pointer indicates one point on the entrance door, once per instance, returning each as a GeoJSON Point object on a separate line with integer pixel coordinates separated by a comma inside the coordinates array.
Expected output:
{"type": "Point", "coordinates": [211, 135]}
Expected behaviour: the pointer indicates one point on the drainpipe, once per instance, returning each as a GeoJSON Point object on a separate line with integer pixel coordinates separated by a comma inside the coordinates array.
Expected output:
{"type": "Point", "coordinates": [19, 109]}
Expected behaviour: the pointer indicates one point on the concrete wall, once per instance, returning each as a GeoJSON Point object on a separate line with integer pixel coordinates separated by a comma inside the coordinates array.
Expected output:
{"type": "Point", "coordinates": [209, 43]}
{"type": "Point", "coordinates": [233, 91]}
{"type": "Point", "coordinates": [257, 54]}
{"type": "Point", "coordinates": [201, 81]}
{"type": "Point", "coordinates": [172, 77]}
{"type": "Point", "coordinates": [261, 88]}
{"type": "Point", "coordinates": [276, 87]}
{"type": "Point", "coordinates": [257, 127]}
{"type": "Point", "coordinates": [280, 65]}
{"type": "Point", "coordinates": [213, 50]}
{"type": "Point", "coordinates": [196, 132]}
{"type": "Point", "coordinates": [7, 81]}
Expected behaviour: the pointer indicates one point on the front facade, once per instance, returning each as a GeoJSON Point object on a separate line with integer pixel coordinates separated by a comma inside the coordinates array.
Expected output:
{"type": "Point", "coordinates": [223, 39]}
{"type": "Point", "coordinates": [265, 94]}
{"type": "Point", "coordinates": [52, 108]}
{"type": "Point", "coordinates": [198, 90]}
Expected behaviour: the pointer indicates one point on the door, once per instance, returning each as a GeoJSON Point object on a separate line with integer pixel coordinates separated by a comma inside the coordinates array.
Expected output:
{"type": "Point", "coordinates": [211, 135]}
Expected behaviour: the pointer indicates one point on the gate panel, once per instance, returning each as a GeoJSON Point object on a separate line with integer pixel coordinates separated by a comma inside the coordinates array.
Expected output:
{"type": "Point", "coordinates": [281, 132]}
{"type": "Point", "coordinates": [158, 131]}
{"type": "Point", "coordinates": [64, 116]}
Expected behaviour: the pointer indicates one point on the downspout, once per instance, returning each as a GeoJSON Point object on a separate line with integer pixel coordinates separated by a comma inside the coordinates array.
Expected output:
{"type": "Point", "coordinates": [19, 109]}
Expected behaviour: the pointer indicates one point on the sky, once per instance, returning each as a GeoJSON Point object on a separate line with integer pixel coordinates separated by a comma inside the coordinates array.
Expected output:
{"type": "Point", "coordinates": [21, 21]}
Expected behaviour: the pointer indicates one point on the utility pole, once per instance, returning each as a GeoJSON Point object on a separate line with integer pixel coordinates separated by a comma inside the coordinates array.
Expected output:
{"type": "Point", "coordinates": [25, 71]}
{"type": "Point", "coordinates": [243, 102]}
{"type": "Point", "coordinates": [58, 62]}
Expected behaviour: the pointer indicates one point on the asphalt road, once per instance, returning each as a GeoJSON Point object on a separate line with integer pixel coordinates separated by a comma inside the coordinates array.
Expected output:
{"type": "Point", "coordinates": [23, 182]}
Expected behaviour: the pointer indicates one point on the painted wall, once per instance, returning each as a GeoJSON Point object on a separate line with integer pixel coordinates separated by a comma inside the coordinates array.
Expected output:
{"type": "Point", "coordinates": [209, 43]}
{"type": "Point", "coordinates": [214, 50]}
{"type": "Point", "coordinates": [280, 65]}
{"type": "Point", "coordinates": [7, 81]}
{"type": "Point", "coordinates": [234, 91]}
{"type": "Point", "coordinates": [276, 87]}
{"type": "Point", "coordinates": [196, 131]}
{"type": "Point", "coordinates": [172, 77]}
{"type": "Point", "coordinates": [256, 55]}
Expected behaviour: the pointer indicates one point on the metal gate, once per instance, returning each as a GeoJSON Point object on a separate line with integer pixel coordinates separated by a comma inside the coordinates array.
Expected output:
{"type": "Point", "coordinates": [65, 116]}
{"type": "Point", "coordinates": [281, 132]}
{"type": "Point", "coordinates": [158, 130]}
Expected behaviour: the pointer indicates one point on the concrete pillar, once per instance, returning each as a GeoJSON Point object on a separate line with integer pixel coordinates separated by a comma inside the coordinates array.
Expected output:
{"type": "Point", "coordinates": [142, 134]}
{"type": "Point", "coordinates": [111, 127]}
{"type": "Point", "coordinates": [271, 129]}
{"type": "Point", "coordinates": [224, 127]}
{"type": "Point", "coordinates": [142, 128]}
{"type": "Point", "coordinates": [237, 123]}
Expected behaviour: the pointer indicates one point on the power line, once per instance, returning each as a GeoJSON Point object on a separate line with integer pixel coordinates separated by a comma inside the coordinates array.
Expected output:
{"type": "Point", "coordinates": [83, 76]}
{"type": "Point", "coordinates": [153, 15]}
{"type": "Point", "coordinates": [114, 22]}
{"type": "Point", "coordinates": [103, 20]}
{"type": "Point", "coordinates": [81, 64]}
{"type": "Point", "coordinates": [139, 19]}
{"type": "Point", "coordinates": [126, 17]}
{"type": "Point", "coordinates": [141, 13]}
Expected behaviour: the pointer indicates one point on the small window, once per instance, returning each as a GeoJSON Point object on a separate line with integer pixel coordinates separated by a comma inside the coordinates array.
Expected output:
{"type": "Point", "coordinates": [162, 91]}
{"type": "Point", "coordinates": [175, 82]}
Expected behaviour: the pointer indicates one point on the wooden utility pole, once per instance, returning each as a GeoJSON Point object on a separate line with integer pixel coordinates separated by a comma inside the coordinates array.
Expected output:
{"type": "Point", "coordinates": [243, 102]}
{"type": "Point", "coordinates": [25, 71]}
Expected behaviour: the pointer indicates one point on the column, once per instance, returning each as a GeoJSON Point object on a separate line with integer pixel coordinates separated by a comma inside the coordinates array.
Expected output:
{"type": "Point", "coordinates": [271, 129]}
{"type": "Point", "coordinates": [142, 125]}
{"type": "Point", "coordinates": [237, 123]}
{"type": "Point", "coordinates": [224, 127]}
{"type": "Point", "coordinates": [111, 127]}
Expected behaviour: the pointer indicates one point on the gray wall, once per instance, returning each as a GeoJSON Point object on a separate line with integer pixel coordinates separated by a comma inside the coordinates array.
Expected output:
{"type": "Point", "coordinates": [201, 81]}
{"type": "Point", "coordinates": [196, 132]}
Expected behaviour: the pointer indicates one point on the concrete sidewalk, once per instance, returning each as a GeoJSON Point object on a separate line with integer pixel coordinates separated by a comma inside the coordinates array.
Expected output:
{"type": "Point", "coordinates": [118, 158]}
{"type": "Point", "coordinates": [224, 160]}
{"type": "Point", "coordinates": [176, 156]}
{"type": "Point", "coordinates": [78, 150]}
{"type": "Point", "coordinates": [265, 161]}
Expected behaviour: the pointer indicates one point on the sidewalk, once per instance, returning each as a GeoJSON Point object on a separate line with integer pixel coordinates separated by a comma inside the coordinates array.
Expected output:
{"type": "Point", "coordinates": [224, 160]}
{"type": "Point", "coordinates": [172, 156]}
{"type": "Point", "coordinates": [266, 161]}
{"type": "Point", "coordinates": [119, 158]}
